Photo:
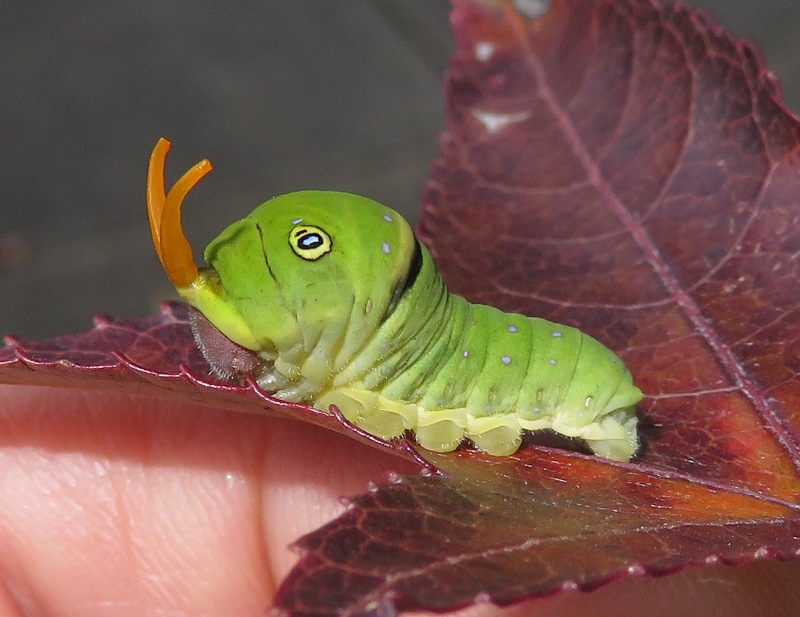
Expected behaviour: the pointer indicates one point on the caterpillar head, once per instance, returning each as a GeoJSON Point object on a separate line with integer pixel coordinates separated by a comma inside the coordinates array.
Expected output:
{"type": "Point", "coordinates": [306, 271]}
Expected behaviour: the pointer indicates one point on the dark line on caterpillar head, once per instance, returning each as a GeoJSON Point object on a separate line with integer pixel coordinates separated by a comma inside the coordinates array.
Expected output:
{"type": "Point", "coordinates": [264, 253]}
{"type": "Point", "coordinates": [411, 277]}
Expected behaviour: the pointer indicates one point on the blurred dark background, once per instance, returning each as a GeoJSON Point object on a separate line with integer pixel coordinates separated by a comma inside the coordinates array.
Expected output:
{"type": "Point", "coordinates": [279, 94]}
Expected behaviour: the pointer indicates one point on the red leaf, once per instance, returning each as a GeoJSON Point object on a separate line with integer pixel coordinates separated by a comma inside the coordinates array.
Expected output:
{"type": "Point", "coordinates": [619, 165]}
{"type": "Point", "coordinates": [505, 529]}
{"type": "Point", "coordinates": [625, 167]}
{"type": "Point", "coordinates": [148, 355]}
{"type": "Point", "coordinates": [650, 202]}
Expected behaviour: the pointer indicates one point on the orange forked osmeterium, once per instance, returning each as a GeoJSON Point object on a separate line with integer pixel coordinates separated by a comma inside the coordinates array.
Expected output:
{"type": "Point", "coordinates": [164, 211]}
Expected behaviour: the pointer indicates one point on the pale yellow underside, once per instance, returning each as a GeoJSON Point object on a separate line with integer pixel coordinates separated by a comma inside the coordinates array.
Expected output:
{"type": "Point", "coordinates": [612, 436]}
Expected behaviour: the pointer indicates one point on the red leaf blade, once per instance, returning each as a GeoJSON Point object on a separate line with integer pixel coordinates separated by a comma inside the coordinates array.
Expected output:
{"type": "Point", "coordinates": [154, 356]}
{"type": "Point", "coordinates": [619, 166]}
{"type": "Point", "coordinates": [503, 532]}
{"type": "Point", "coordinates": [625, 167]}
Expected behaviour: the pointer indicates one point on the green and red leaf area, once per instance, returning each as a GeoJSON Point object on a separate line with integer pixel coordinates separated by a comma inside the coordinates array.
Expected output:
{"type": "Point", "coordinates": [624, 166]}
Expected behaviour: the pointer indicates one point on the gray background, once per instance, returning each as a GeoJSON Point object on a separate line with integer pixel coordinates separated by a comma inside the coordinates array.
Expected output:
{"type": "Point", "coordinates": [279, 94]}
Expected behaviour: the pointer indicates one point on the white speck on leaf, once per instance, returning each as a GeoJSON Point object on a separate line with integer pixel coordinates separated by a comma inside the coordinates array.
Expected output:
{"type": "Point", "coordinates": [494, 122]}
{"type": "Point", "coordinates": [484, 50]}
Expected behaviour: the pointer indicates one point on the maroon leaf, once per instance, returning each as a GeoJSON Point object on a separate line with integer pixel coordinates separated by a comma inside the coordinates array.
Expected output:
{"type": "Point", "coordinates": [149, 355]}
{"type": "Point", "coordinates": [625, 167]}
{"type": "Point", "coordinates": [618, 165]}
{"type": "Point", "coordinates": [503, 530]}
{"type": "Point", "coordinates": [648, 199]}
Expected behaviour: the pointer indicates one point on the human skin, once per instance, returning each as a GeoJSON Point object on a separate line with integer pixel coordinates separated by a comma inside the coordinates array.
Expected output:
{"type": "Point", "coordinates": [130, 506]}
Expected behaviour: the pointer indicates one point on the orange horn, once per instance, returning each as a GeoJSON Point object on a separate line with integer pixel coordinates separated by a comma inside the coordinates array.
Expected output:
{"type": "Point", "coordinates": [164, 212]}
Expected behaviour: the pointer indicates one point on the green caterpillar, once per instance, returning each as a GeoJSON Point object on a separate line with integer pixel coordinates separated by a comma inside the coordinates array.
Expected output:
{"type": "Point", "coordinates": [343, 306]}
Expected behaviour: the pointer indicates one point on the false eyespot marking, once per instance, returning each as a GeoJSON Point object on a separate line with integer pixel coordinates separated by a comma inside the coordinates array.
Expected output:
{"type": "Point", "coordinates": [310, 242]}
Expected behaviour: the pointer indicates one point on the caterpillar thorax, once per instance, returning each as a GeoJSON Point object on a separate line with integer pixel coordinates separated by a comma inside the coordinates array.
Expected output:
{"type": "Point", "coordinates": [344, 307]}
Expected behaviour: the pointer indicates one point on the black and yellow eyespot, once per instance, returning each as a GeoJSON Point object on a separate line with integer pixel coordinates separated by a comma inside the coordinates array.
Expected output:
{"type": "Point", "coordinates": [310, 242]}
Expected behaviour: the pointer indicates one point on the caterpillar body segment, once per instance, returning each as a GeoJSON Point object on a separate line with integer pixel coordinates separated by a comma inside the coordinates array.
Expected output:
{"type": "Point", "coordinates": [494, 375]}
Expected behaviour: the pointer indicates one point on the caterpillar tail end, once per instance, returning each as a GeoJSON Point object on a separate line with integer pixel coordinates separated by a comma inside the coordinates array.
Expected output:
{"type": "Point", "coordinates": [615, 435]}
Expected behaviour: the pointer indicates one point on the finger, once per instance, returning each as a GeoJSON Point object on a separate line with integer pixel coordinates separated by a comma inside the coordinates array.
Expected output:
{"type": "Point", "coordinates": [127, 506]}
